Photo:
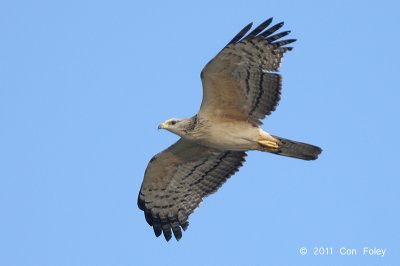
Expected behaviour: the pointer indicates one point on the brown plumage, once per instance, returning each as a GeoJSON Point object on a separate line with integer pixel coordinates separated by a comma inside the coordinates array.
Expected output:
{"type": "Point", "coordinates": [240, 87]}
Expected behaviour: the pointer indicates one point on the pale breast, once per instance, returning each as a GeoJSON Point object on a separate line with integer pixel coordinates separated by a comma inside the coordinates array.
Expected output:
{"type": "Point", "coordinates": [236, 136]}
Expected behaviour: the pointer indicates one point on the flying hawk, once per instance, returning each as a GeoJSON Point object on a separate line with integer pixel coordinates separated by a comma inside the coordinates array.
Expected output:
{"type": "Point", "coordinates": [241, 85]}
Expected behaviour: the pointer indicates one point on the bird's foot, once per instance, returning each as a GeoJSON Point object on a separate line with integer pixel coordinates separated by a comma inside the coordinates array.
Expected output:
{"type": "Point", "coordinates": [268, 144]}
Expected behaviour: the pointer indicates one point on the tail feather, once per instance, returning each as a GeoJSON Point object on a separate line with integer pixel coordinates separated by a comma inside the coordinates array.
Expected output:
{"type": "Point", "coordinates": [297, 149]}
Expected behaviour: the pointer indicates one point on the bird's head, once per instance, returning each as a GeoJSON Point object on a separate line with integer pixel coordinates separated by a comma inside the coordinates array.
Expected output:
{"type": "Point", "coordinates": [174, 125]}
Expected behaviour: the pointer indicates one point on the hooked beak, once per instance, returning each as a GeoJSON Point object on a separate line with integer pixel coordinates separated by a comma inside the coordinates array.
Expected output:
{"type": "Point", "coordinates": [163, 126]}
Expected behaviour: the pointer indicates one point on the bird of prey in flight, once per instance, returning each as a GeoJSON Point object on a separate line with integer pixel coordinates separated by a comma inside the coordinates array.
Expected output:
{"type": "Point", "coordinates": [241, 85]}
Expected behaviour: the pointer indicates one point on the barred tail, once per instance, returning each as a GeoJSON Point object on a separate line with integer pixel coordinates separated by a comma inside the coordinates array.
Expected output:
{"type": "Point", "coordinates": [297, 149]}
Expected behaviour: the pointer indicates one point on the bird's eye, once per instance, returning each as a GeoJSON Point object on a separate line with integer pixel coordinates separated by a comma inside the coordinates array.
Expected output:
{"type": "Point", "coordinates": [173, 122]}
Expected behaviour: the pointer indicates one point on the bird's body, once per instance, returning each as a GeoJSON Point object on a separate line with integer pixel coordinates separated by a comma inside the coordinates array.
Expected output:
{"type": "Point", "coordinates": [241, 85]}
{"type": "Point", "coordinates": [240, 137]}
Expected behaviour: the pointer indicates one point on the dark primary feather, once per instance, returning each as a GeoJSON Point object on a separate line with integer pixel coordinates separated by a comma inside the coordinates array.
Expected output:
{"type": "Point", "coordinates": [241, 33]}
{"type": "Point", "coordinates": [271, 30]}
{"type": "Point", "coordinates": [259, 29]}
{"type": "Point", "coordinates": [277, 36]}
{"type": "Point", "coordinates": [284, 42]}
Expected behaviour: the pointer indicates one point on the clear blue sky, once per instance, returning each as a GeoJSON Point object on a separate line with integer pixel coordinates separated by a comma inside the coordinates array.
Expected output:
{"type": "Point", "coordinates": [84, 84]}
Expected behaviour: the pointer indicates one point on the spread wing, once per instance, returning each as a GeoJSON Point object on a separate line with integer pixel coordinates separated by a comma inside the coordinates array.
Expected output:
{"type": "Point", "coordinates": [177, 179]}
{"type": "Point", "coordinates": [241, 82]}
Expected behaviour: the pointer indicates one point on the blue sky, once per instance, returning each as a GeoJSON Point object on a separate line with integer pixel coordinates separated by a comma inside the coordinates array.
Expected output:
{"type": "Point", "coordinates": [84, 84]}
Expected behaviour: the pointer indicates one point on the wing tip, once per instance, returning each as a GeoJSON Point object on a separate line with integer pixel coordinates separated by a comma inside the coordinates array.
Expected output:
{"type": "Point", "coordinates": [163, 226]}
{"type": "Point", "coordinates": [241, 33]}
{"type": "Point", "coordinates": [262, 31]}
{"type": "Point", "coordinates": [157, 230]}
